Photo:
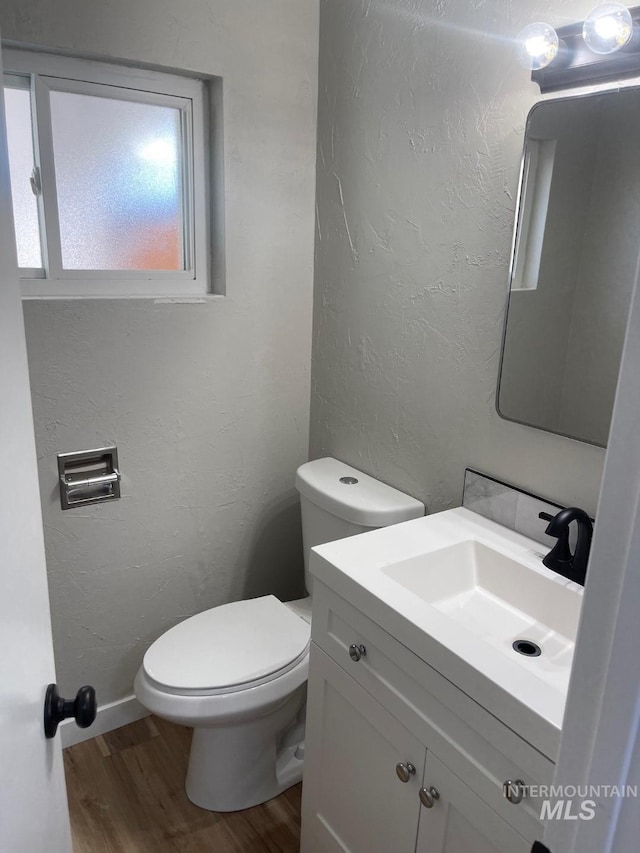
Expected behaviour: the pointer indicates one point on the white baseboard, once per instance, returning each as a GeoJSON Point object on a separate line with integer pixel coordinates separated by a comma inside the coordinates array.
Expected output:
{"type": "Point", "coordinates": [109, 717]}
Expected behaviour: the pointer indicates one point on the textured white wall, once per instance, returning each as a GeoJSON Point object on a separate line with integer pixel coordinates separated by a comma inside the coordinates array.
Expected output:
{"type": "Point", "coordinates": [208, 404]}
{"type": "Point", "coordinates": [421, 118]}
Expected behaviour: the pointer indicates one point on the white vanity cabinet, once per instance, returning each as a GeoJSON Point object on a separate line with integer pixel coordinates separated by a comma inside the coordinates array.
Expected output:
{"type": "Point", "coordinates": [398, 759]}
{"type": "Point", "coordinates": [459, 821]}
{"type": "Point", "coordinates": [355, 801]}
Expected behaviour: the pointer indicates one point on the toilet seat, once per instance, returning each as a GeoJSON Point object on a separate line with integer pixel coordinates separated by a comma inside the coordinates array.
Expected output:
{"type": "Point", "coordinates": [227, 649]}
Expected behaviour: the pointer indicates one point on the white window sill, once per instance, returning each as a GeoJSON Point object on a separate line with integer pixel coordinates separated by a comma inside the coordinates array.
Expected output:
{"type": "Point", "coordinates": [156, 298]}
{"type": "Point", "coordinates": [166, 288]}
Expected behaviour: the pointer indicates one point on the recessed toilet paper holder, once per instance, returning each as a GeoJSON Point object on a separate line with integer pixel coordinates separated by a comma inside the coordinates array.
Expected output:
{"type": "Point", "coordinates": [88, 477]}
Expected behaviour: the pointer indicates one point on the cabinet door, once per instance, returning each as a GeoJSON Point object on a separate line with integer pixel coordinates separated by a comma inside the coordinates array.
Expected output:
{"type": "Point", "coordinates": [352, 798]}
{"type": "Point", "coordinates": [460, 821]}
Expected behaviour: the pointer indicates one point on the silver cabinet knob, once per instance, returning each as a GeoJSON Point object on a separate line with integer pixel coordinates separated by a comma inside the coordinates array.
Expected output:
{"type": "Point", "coordinates": [404, 772]}
{"type": "Point", "coordinates": [428, 796]}
{"type": "Point", "coordinates": [356, 652]}
{"type": "Point", "coordinates": [514, 790]}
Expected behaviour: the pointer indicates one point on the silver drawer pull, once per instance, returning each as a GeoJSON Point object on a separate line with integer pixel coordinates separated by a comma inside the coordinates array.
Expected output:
{"type": "Point", "coordinates": [356, 652]}
{"type": "Point", "coordinates": [514, 790]}
{"type": "Point", "coordinates": [404, 772]}
{"type": "Point", "coordinates": [428, 796]}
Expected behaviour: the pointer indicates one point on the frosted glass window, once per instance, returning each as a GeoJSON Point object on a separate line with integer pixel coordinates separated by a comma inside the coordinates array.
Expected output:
{"type": "Point", "coordinates": [21, 162]}
{"type": "Point", "coordinates": [118, 167]}
{"type": "Point", "coordinates": [110, 178]}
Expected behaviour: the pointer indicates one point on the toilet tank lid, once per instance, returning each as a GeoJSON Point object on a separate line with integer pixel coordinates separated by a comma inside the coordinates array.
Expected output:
{"type": "Point", "coordinates": [367, 502]}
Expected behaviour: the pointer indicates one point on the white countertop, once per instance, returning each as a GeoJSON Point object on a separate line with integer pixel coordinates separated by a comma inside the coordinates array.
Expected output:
{"type": "Point", "coordinates": [528, 695]}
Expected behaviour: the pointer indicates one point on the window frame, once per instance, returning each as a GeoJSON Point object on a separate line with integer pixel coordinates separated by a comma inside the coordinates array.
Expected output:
{"type": "Point", "coordinates": [47, 72]}
{"type": "Point", "coordinates": [533, 204]}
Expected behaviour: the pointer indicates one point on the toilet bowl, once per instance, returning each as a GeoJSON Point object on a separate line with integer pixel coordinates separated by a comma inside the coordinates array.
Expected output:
{"type": "Point", "coordinates": [237, 673]}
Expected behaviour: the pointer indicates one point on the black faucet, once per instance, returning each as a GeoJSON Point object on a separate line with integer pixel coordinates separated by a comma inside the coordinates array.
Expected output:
{"type": "Point", "coordinates": [560, 559]}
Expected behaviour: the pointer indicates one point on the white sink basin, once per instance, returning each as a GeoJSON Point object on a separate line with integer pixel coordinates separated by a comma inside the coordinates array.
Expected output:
{"type": "Point", "coordinates": [497, 598]}
{"type": "Point", "coordinates": [459, 591]}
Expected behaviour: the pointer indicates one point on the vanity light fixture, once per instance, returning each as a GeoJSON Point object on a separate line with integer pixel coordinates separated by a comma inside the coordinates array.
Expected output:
{"type": "Point", "coordinates": [605, 46]}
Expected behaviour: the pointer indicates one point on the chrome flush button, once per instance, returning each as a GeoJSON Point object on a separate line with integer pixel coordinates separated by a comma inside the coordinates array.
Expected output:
{"type": "Point", "coordinates": [348, 481]}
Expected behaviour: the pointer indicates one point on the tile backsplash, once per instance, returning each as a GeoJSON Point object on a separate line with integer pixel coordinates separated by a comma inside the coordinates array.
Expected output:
{"type": "Point", "coordinates": [508, 505]}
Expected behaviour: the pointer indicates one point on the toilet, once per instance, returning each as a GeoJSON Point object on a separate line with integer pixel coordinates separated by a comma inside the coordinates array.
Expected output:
{"type": "Point", "coordinates": [237, 673]}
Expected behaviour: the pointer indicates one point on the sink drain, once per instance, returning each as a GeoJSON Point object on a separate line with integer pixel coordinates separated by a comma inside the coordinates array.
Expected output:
{"type": "Point", "coordinates": [527, 648]}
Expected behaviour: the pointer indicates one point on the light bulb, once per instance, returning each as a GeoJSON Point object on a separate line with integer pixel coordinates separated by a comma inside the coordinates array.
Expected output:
{"type": "Point", "coordinates": [608, 28]}
{"type": "Point", "coordinates": [537, 45]}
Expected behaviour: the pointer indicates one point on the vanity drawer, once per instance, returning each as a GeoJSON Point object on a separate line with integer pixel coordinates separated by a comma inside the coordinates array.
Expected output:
{"type": "Point", "coordinates": [474, 744]}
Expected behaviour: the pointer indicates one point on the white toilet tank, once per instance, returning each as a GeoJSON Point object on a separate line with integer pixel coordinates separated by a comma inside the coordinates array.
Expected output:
{"type": "Point", "coordinates": [338, 501]}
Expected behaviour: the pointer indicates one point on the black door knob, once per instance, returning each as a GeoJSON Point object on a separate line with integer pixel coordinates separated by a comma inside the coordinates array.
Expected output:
{"type": "Point", "coordinates": [56, 709]}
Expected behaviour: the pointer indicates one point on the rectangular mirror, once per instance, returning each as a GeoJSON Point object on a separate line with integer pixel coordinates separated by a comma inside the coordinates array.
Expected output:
{"type": "Point", "coordinates": [575, 250]}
